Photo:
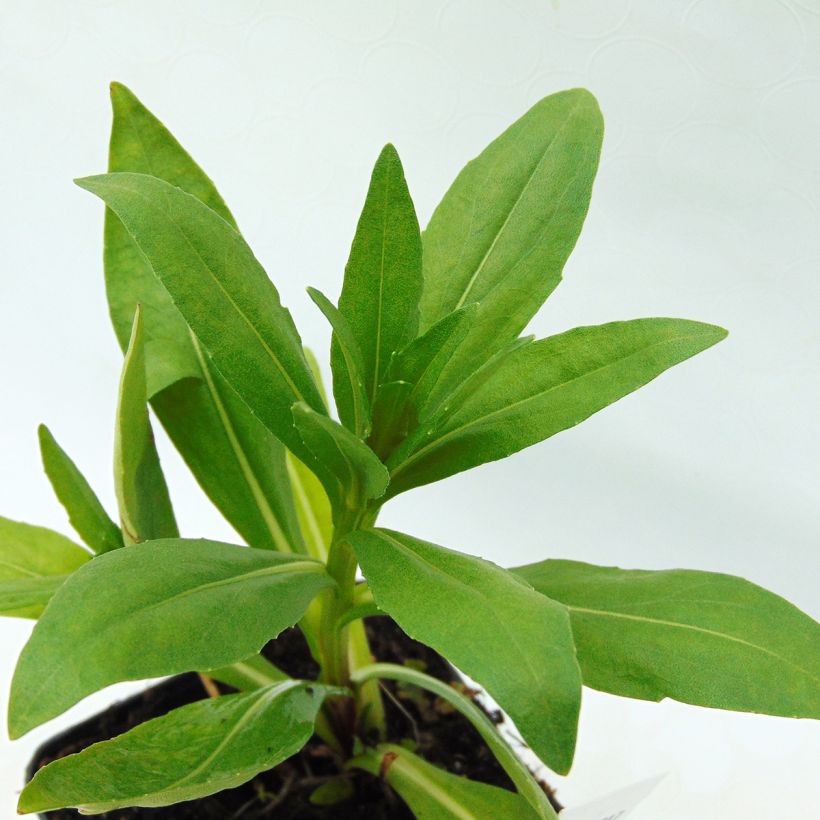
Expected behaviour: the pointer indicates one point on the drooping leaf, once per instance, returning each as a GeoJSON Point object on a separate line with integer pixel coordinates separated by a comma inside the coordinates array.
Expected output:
{"type": "Point", "coordinates": [542, 388]}
{"type": "Point", "coordinates": [528, 787]}
{"type": "Point", "coordinates": [233, 456]}
{"type": "Point", "coordinates": [497, 629]}
{"type": "Point", "coordinates": [142, 494]}
{"type": "Point", "coordinates": [354, 405]}
{"type": "Point", "coordinates": [507, 225]}
{"type": "Point", "coordinates": [222, 292]}
{"type": "Point", "coordinates": [34, 562]}
{"type": "Point", "coordinates": [698, 637]}
{"type": "Point", "coordinates": [85, 512]}
{"type": "Point", "coordinates": [349, 470]}
{"type": "Point", "coordinates": [203, 604]}
{"type": "Point", "coordinates": [383, 277]}
{"type": "Point", "coordinates": [191, 752]}
{"type": "Point", "coordinates": [432, 793]}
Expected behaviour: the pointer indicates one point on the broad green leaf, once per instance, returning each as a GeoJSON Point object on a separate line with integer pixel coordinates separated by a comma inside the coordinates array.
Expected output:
{"type": "Point", "coordinates": [491, 625]}
{"type": "Point", "coordinates": [542, 388]}
{"type": "Point", "coordinates": [528, 787]}
{"type": "Point", "coordinates": [142, 494]}
{"type": "Point", "coordinates": [203, 604]}
{"type": "Point", "coordinates": [85, 512]}
{"type": "Point", "coordinates": [422, 362]}
{"type": "Point", "coordinates": [222, 292]}
{"type": "Point", "coordinates": [34, 561]}
{"type": "Point", "coordinates": [383, 277]}
{"type": "Point", "coordinates": [191, 752]}
{"type": "Point", "coordinates": [698, 637]}
{"type": "Point", "coordinates": [233, 456]}
{"type": "Point", "coordinates": [505, 229]}
{"type": "Point", "coordinates": [435, 794]}
{"type": "Point", "coordinates": [355, 414]}
{"type": "Point", "coordinates": [349, 470]}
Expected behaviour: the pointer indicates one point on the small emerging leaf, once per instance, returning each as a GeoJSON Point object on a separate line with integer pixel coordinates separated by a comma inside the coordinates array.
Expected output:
{"type": "Point", "coordinates": [165, 607]}
{"type": "Point", "coordinates": [34, 562]}
{"type": "Point", "coordinates": [204, 747]}
{"type": "Point", "coordinates": [85, 512]}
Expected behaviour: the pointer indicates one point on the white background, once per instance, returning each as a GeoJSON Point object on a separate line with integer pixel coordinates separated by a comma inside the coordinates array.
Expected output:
{"type": "Point", "coordinates": [707, 206]}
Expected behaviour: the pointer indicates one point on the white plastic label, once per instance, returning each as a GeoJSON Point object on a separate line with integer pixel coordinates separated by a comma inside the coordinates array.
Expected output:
{"type": "Point", "coordinates": [615, 806]}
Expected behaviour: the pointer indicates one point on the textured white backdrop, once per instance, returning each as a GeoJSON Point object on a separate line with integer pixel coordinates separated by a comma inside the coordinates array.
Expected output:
{"type": "Point", "coordinates": [707, 206]}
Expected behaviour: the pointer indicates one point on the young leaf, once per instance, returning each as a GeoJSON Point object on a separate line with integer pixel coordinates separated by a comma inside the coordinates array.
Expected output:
{"type": "Point", "coordinates": [542, 388]}
{"type": "Point", "coordinates": [312, 508]}
{"type": "Point", "coordinates": [204, 604]}
{"type": "Point", "coordinates": [698, 637]}
{"type": "Point", "coordinates": [392, 417]}
{"type": "Point", "coordinates": [142, 494]}
{"type": "Point", "coordinates": [432, 793]}
{"type": "Point", "coordinates": [34, 562]}
{"type": "Point", "coordinates": [349, 470]}
{"type": "Point", "coordinates": [86, 514]}
{"type": "Point", "coordinates": [383, 278]}
{"type": "Point", "coordinates": [204, 747]}
{"type": "Point", "coordinates": [252, 673]}
{"type": "Point", "coordinates": [354, 405]}
{"type": "Point", "coordinates": [504, 230]}
{"type": "Point", "coordinates": [497, 629]}
{"type": "Point", "coordinates": [222, 292]}
{"type": "Point", "coordinates": [233, 456]}
{"type": "Point", "coordinates": [528, 787]}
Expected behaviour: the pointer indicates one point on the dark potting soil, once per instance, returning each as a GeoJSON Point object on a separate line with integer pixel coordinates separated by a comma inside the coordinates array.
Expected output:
{"type": "Point", "coordinates": [443, 736]}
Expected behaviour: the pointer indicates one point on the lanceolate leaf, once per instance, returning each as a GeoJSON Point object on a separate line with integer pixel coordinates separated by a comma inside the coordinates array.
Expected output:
{"type": "Point", "coordinates": [490, 624]}
{"type": "Point", "coordinates": [86, 514]}
{"type": "Point", "coordinates": [193, 751]}
{"type": "Point", "coordinates": [392, 417]}
{"type": "Point", "coordinates": [312, 508]}
{"type": "Point", "coordinates": [238, 462]}
{"type": "Point", "coordinates": [354, 405]}
{"type": "Point", "coordinates": [542, 388]}
{"type": "Point", "coordinates": [349, 470]}
{"type": "Point", "coordinates": [222, 292]}
{"type": "Point", "coordinates": [383, 278]}
{"type": "Point", "coordinates": [145, 508]}
{"type": "Point", "coordinates": [203, 604]}
{"type": "Point", "coordinates": [698, 637]}
{"type": "Point", "coordinates": [504, 230]}
{"type": "Point", "coordinates": [435, 794]}
{"type": "Point", "coordinates": [34, 562]}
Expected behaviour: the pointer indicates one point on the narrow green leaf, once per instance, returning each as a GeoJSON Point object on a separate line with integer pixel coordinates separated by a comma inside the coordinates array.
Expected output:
{"type": "Point", "coordinates": [85, 512]}
{"type": "Point", "coordinates": [142, 494]}
{"type": "Point", "coordinates": [205, 747]}
{"type": "Point", "coordinates": [542, 388]}
{"type": "Point", "coordinates": [204, 604]}
{"type": "Point", "coordinates": [355, 414]}
{"type": "Point", "coordinates": [505, 229]}
{"type": "Point", "coordinates": [233, 456]}
{"type": "Point", "coordinates": [432, 793]}
{"type": "Point", "coordinates": [498, 630]}
{"type": "Point", "coordinates": [520, 775]}
{"type": "Point", "coordinates": [252, 673]}
{"type": "Point", "coordinates": [222, 292]}
{"type": "Point", "coordinates": [312, 508]}
{"type": "Point", "coordinates": [349, 470]}
{"type": "Point", "coordinates": [392, 417]}
{"type": "Point", "coordinates": [34, 562]}
{"type": "Point", "coordinates": [698, 637]}
{"type": "Point", "coordinates": [383, 278]}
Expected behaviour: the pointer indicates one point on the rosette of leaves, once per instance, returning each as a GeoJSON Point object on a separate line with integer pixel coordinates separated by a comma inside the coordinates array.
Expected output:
{"type": "Point", "coordinates": [431, 376]}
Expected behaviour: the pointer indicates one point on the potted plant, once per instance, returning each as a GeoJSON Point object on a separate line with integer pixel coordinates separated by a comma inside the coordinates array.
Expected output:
{"type": "Point", "coordinates": [353, 710]}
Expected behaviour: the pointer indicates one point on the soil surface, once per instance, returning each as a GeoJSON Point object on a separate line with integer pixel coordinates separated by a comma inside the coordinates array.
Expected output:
{"type": "Point", "coordinates": [442, 735]}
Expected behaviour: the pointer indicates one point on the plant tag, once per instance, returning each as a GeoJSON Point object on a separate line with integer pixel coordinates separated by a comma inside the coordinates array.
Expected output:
{"type": "Point", "coordinates": [615, 806]}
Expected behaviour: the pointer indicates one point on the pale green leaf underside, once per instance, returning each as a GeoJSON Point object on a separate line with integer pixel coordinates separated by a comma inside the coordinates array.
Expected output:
{"type": "Point", "coordinates": [698, 637]}
{"type": "Point", "coordinates": [498, 630]}
{"type": "Point", "coordinates": [175, 592]}
{"type": "Point", "coordinates": [191, 752]}
{"type": "Point", "coordinates": [34, 561]}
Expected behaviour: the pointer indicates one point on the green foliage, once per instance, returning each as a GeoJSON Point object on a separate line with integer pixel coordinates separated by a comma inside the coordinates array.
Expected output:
{"type": "Point", "coordinates": [207, 746]}
{"type": "Point", "coordinates": [699, 637]}
{"type": "Point", "coordinates": [430, 377]}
